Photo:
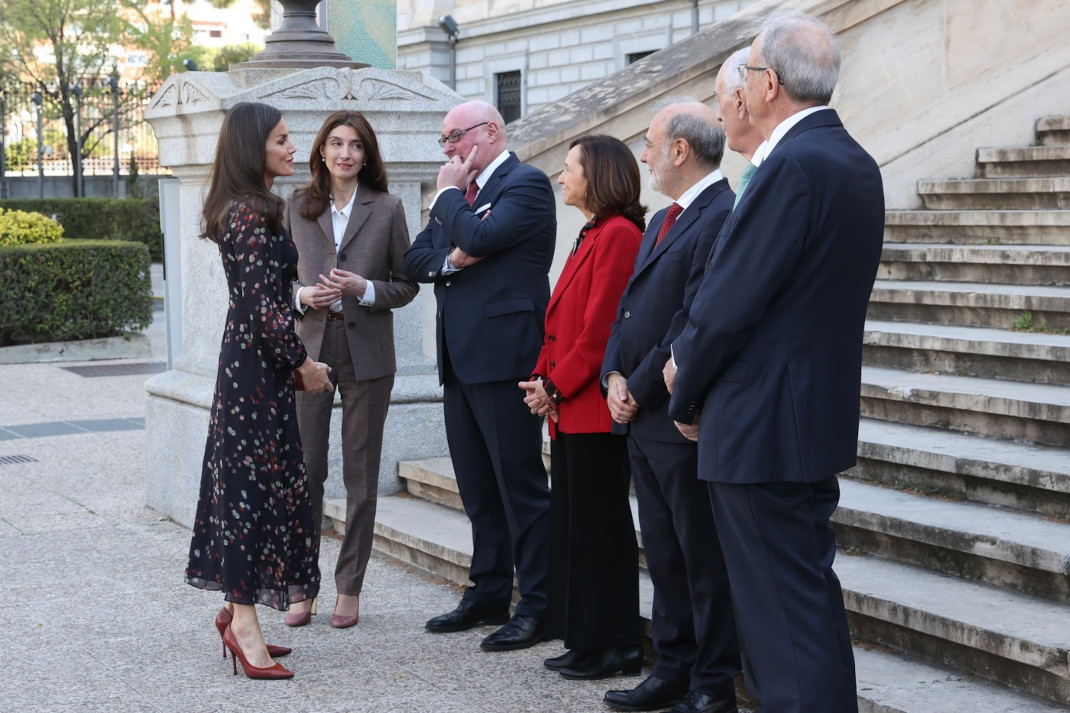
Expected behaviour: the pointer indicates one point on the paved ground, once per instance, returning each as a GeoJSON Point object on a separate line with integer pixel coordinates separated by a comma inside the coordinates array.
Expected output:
{"type": "Point", "coordinates": [95, 616]}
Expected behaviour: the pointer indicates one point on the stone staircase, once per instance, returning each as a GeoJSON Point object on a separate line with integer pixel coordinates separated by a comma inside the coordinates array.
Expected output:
{"type": "Point", "coordinates": [954, 526]}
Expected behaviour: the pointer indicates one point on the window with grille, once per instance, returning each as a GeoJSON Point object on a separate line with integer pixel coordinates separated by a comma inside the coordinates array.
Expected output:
{"type": "Point", "coordinates": [508, 94]}
{"type": "Point", "coordinates": [633, 57]}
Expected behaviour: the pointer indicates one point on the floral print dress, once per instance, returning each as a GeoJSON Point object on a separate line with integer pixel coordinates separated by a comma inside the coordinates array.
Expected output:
{"type": "Point", "coordinates": [253, 536]}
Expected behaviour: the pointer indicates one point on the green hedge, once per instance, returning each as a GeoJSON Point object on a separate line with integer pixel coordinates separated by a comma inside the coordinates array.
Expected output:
{"type": "Point", "coordinates": [75, 289]}
{"type": "Point", "coordinates": [134, 219]}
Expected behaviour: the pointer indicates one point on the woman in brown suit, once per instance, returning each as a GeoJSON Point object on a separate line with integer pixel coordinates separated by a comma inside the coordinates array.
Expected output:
{"type": "Point", "coordinates": [351, 237]}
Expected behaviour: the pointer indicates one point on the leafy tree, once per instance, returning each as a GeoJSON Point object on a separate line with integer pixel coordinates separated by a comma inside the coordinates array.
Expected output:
{"type": "Point", "coordinates": [167, 40]}
{"type": "Point", "coordinates": [263, 20]}
{"type": "Point", "coordinates": [57, 44]}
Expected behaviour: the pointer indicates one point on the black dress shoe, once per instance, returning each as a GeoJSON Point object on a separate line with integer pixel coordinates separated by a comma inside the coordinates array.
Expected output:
{"type": "Point", "coordinates": [697, 702]}
{"type": "Point", "coordinates": [605, 663]}
{"type": "Point", "coordinates": [568, 658]}
{"type": "Point", "coordinates": [520, 633]}
{"type": "Point", "coordinates": [467, 615]}
{"type": "Point", "coordinates": [650, 695]}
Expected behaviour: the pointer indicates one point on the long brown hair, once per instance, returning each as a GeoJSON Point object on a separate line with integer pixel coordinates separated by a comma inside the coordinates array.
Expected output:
{"type": "Point", "coordinates": [612, 175]}
{"type": "Point", "coordinates": [238, 169]}
{"type": "Point", "coordinates": [372, 175]}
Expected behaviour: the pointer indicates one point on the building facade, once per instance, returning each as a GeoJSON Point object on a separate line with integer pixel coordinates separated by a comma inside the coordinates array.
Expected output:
{"type": "Point", "coordinates": [521, 55]}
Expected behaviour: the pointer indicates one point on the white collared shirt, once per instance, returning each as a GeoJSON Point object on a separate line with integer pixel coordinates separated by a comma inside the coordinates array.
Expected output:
{"type": "Point", "coordinates": [688, 197]}
{"type": "Point", "coordinates": [781, 129]}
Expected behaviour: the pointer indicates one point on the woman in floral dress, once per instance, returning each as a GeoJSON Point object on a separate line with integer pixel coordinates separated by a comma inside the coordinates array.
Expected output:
{"type": "Point", "coordinates": [253, 536]}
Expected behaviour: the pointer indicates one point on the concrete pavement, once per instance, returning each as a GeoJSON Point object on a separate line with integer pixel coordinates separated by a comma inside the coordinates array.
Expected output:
{"type": "Point", "coordinates": [95, 615]}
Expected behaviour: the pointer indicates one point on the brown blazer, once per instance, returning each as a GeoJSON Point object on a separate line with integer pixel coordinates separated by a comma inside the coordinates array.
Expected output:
{"type": "Point", "coordinates": [373, 247]}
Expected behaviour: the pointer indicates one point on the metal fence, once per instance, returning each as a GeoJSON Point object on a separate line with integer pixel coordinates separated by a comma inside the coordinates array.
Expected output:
{"type": "Point", "coordinates": [100, 112]}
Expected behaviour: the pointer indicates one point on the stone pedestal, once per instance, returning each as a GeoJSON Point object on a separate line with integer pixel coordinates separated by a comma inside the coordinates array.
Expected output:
{"type": "Point", "coordinates": [406, 110]}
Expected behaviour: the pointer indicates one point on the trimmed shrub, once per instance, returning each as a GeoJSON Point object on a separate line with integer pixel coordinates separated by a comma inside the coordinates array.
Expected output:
{"type": "Point", "coordinates": [18, 227]}
{"type": "Point", "coordinates": [74, 289]}
{"type": "Point", "coordinates": [137, 220]}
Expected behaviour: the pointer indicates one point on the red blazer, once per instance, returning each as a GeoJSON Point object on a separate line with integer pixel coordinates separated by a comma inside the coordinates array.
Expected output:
{"type": "Point", "coordinates": [578, 320]}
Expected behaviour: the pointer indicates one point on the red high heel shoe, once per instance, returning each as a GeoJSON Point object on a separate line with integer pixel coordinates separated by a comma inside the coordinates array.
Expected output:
{"type": "Point", "coordinates": [275, 671]}
{"type": "Point", "coordinates": [222, 621]}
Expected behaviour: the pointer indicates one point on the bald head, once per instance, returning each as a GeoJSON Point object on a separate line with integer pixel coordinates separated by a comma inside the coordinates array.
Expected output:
{"type": "Point", "coordinates": [481, 125]}
{"type": "Point", "coordinates": [697, 124]}
{"type": "Point", "coordinates": [683, 144]}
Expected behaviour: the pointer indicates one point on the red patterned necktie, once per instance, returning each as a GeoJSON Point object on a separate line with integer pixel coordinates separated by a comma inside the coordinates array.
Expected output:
{"type": "Point", "coordinates": [674, 212]}
{"type": "Point", "coordinates": [470, 194]}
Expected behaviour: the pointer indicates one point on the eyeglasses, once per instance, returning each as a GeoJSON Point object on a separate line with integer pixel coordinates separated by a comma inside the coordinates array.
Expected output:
{"type": "Point", "coordinates": [456, 135]}
{"type": "Point", "coordinates": [743, 72]}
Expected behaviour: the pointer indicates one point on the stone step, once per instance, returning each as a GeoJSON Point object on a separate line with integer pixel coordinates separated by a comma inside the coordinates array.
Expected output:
{"type": "Point", "coordinates": [990, 407]}
{"type": "Point", "coordinates": [1053, 130]}
{"type": "Point", "coordinates": [1002, 264]}
{"type": "Point", "coordinates": [1024, 161]}
{"type": "Point", "coordinates": [968, 351]}
{"type": "Point", "coordinates": [995, 633]}
{"type": "Point", "coordinates": [437, 539]}
{"type": "Point", "coordinates": [1035, 193]}
{"type": "Point", "coordinates": [1012, 227]}
{"type": "Point", "coordinates": [995, 545]}
{"type": "Point", "coordinates": [971, 304]}
{"type": "Point", "coordinates": [434, 480]}
{"type": "Point", "coordinates": [959, 466]}
{"type": "Point", "coordinates": [892, 683]}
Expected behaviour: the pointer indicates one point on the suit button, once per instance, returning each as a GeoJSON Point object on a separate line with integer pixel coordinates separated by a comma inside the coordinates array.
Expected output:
{"type": "Point", "coordinates": [341, 257]}
{"type": "Point", "coordinates": [627, 314]}
{"type": "Point", "coordinates": [431, 274]}
{"type": "Point", "coordinates": [351, 325]}
{"type": "Point", "coordinates": [552, 338]}
{"type": "Point", "coordinates": [552, 364]}
{"type": "Point", "coordinates": [448, 283]}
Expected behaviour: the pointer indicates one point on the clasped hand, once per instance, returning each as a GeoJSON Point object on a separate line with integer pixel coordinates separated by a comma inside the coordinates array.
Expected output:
{"type": "Point", "coordinates": [345, 284]}
{"type": "Point", "coordinates": [314, 375]}
{"type": "Point", "coordinates": [622, 405]}
{"type": "Point", "coordinates": [538, 400]}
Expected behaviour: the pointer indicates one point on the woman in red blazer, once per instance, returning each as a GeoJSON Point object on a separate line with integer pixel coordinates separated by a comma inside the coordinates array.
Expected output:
{"type": "Point", "coordinates": [593, 594]}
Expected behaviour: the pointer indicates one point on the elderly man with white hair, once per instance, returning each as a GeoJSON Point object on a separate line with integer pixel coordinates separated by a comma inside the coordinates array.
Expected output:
{"type": "Point", "coordinates": [769, 368]}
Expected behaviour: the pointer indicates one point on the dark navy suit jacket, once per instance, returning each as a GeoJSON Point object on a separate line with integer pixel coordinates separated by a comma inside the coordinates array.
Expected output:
{"type": "Point", "coordinates": [653, 308]}
{"type": "Point", "coordinates": [491, 314]}
{"type": "Point", "coordinates": [770, 360]}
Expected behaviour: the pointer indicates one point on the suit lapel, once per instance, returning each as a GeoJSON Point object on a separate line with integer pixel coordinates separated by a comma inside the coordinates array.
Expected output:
{"type": "Point", "coordinates": [572, 266]}
{"type": "Point", "coordinates": [327, 226]}
{"type": "Point", "coordinates": [490, 190]}
{"type": "Point", "coordinates": [362, 210]}
{"type": "Point", "coordinates": [686, 219]}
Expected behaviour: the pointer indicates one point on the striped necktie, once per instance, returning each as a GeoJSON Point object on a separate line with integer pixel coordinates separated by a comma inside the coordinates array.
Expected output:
{"type": "Point", "coordinates": [744, 180]}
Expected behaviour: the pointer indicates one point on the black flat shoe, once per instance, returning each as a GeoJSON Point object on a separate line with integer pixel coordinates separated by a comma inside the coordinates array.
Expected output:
{"type": "Point", "coordinates": [605, 663]}
{"type": "Point", "coordinates": [520, 633]}
{"type": "Point", "coordinates": [566, 659]}
{"type": "Point", "coordinates": [467, 615]}
{"type": "Point", "coordinates": [651, 695]}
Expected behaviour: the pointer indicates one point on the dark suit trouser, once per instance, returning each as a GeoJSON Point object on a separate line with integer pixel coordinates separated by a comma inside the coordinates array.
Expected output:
{"type": "Point", "coordinates": [364, 408]}
{"type": "Point", "coordinates": [496, 447]}
{"type": "Point", "coordinates": [594, 557]}
{"type": "Point", "coordinates": [779, 546]}
{"type": "Point", "coordinates": [693, 625]}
